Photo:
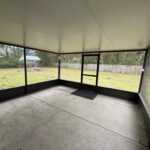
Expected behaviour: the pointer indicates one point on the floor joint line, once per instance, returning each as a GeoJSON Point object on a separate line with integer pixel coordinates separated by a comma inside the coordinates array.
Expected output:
{"type": "Point", "coordinates": [92, 123]}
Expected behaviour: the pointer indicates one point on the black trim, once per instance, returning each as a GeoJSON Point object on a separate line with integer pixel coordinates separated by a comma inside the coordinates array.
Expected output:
{"type": "Point", "coordinates": [13, 92]}
{"type": "Point", "coordinates": [40, 86]}
{"type": "Point", "coordinates": [97, 70]}
{"type": "Point", "coordinates": [107, 51]}
{"type": "Point", "coordinates": [145, 114]}
{"type": "Point", "coordinates": [118, 94]}
{"type": "Point", "coordinates": [124, 50]}
{"type": "Point", "coordinates": [91, 75]}
{"type": "Point", "coordinates": [19, 91]}
{"type": "Point", "coordinates": [102, 90]}
{"type": "Point", "coordinates": [95, 54]}
{"type": "Point", "coordinates": [10, 93]}
{"type": "Point", "coordinates": [82, 65]}
{"type": "Point", "coordinates": [25, 70]}
{"type": "Point", "coordinates": [59, 67]}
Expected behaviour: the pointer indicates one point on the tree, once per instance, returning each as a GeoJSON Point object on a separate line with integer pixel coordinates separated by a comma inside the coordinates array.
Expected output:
{"type": "Point", "coordinates": [47, 59]}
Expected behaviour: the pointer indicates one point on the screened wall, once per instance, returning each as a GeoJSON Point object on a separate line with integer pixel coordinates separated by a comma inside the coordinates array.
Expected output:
{"type": "Point", "coordinates": [121, 70]}
{"type": "Point", "coordinates": [145, 87]}
{"type": "Point", "coordinates": [11, 69]}
{"type": "Point", "coordinates": [89, 69]}
{"type": "Point", "coordinates": [41, 66]}
{"type": "Point", "coordinates": [71, 67]}
{"type": "Point", "coordinates": [117, 70]}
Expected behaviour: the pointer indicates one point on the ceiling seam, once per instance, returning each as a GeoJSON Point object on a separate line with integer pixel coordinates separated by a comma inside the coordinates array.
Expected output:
{"type": "Point", "coordinates": [99, 24]}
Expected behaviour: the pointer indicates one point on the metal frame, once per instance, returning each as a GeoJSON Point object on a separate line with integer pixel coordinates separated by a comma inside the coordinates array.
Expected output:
{"type": "Point", "coordinates": [22, 90]}
{"type": "Point", "coordinates": [59, 66]}
{"type": "Point", "coordinates": [26, 88]}
{"type": "Point", "coordinates": [25, 70]}
{"type": "Point", "coordinates": [90, 53]}
{"type": "Point", "coordinates": [90, 75]}
{"type": "Point", "coordinates": [131, 96]}
{"type": "Point", "coordinates": [97, 73]}
{"type": "Point", "coordinates": [107, 51]}
{"type": "Point", "coordinates": [97, 70]}
{"type": "Point", "coordinates": [96, 53]}
{"type": "Point", "coordinates": [82, 63]}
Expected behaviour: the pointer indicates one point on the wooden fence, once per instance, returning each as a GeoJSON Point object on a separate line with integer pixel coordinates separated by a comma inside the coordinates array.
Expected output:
{"type": "Point", "coordinates": [105, 68]}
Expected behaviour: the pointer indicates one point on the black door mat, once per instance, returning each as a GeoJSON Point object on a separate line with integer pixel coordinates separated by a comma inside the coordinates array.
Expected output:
{"type": "Point", "coordinates": [85, 94]}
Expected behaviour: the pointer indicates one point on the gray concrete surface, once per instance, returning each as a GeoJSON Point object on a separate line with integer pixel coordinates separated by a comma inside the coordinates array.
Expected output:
{"type": "Point", "coordinates": [54, 119]}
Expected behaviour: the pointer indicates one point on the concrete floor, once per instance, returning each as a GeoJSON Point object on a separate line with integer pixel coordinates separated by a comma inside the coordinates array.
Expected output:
{"type": "Point", "coordinates": [54, 119]}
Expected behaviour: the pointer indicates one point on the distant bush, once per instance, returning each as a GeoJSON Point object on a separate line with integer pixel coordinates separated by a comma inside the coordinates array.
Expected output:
{"type": "Point", "coordinates": [9, 64]}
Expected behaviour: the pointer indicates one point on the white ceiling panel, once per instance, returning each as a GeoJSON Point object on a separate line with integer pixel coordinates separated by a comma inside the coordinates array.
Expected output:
{"type": "Point", "coordinates": [127, 23]}
{"type": "Point", "coordinates": [76, 25]}
{"type": "Point", "coordinates": [11, 32]}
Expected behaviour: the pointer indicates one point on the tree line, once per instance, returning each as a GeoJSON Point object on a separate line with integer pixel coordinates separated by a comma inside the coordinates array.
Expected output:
{"type": "Point", "coordinates": [113, 58]}
{"type": "Point", "coordinates": [10, 55]}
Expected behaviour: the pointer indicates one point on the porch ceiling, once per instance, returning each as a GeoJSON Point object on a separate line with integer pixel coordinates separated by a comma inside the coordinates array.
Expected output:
{"type": "Point", "coordinates": [76, 25]}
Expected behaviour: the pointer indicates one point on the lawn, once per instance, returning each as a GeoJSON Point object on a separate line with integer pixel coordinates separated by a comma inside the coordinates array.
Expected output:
{"type": "Point", "coordinates": [10, 78]}
{"type": "Point", "coordinates": [122, 81]}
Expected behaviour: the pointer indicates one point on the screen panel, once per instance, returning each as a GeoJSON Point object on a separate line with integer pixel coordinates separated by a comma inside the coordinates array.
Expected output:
{"type": "Point", "coordinates": [90, 65]}
{"type": "Point", "coordinates": [11, 68]}
{"type": "Point", "coordinates": [89, 80]}
{"type": "Point", "coordinates": [71, 67]}
{"type": "Point", "coordinates": [121, 70]}
{"type": "Point", "coordinates": [41, 66]}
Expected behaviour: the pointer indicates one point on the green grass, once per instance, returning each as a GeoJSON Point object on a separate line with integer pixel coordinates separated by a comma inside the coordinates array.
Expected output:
{"type": "Point", "coordinates": [10, 78]}
{"type": "Point", "coordinates": [127, 82]}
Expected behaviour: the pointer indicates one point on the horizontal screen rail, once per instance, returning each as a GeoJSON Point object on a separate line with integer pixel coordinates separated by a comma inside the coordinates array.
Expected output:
{"type": "Point", "coordinates": [89, 75]}
{"type": "Point", "coordinates": [84, 55]}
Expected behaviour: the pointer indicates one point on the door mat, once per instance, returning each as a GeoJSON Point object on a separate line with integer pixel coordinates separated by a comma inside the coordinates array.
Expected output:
{"type": "Point", "coordinates": [85, 94]}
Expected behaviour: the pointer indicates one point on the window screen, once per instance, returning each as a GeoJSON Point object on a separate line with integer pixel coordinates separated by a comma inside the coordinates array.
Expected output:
{"type": "Point", "coordinates": [11, 67]}
{"type": "Point", "coordinates": [121, 70]}
{"type": "Point", "coordinates": [71, 67]}
{"type": "Point", "coordinates": [41, 66]}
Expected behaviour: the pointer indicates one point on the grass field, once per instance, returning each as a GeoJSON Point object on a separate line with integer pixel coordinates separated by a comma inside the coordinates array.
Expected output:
{"type": "Point", "coordinates": [10, 78]}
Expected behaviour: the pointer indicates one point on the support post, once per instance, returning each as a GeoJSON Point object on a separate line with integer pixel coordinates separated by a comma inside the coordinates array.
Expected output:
{"type": "Point", "coordinates": [97, 73]}
{"type": "Point", "coordinates": [82, 63]}
{"type": "Point", "coordinates": [25, 70]}
{"type": "Point", "coordinates": [59, 66]}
